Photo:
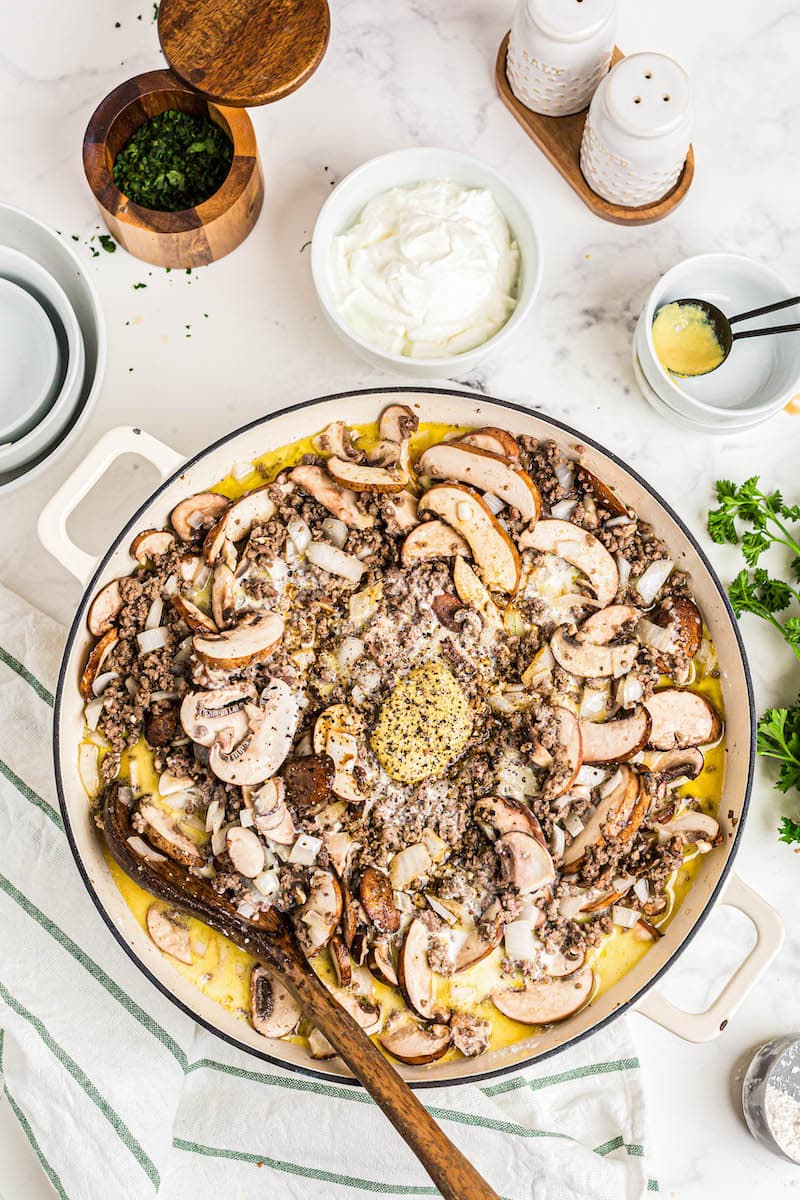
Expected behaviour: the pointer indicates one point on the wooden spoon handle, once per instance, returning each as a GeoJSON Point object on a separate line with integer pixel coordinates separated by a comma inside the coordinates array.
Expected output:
{"type": "Point", "coordinates": [454, 1176]}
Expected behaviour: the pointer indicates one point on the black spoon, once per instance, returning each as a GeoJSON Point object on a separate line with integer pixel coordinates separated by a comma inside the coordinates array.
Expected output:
{"type": "Point", "coordinates": [722, 325]}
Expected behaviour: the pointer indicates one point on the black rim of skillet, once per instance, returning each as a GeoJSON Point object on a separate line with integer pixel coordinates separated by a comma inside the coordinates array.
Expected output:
{"type": "Point", "coordinates": [76, 629]}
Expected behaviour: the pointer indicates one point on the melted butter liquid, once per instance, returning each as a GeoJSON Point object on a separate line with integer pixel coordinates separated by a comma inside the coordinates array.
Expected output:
{"type": "Point", "coordinates": [222, 971]}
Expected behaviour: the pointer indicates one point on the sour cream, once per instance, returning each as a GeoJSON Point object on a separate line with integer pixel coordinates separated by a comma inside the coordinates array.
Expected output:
{"type": "Point", "coordinates": [427, 271]}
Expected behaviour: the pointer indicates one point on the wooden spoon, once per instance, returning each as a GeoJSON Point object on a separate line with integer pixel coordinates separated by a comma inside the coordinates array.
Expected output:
{"type": "Point", "coordinates": [269, 938]}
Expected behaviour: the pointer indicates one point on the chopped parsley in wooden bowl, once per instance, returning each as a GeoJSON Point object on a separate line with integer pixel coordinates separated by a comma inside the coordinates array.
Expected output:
{"type": "Point", "coordinates": [174, 161]}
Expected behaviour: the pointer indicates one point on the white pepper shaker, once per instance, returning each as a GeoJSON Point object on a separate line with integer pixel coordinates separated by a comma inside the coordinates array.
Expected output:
{"type": "Point", "coordinates": [638, 130]}
{"type": "Point", "coordinates": [558, 52]}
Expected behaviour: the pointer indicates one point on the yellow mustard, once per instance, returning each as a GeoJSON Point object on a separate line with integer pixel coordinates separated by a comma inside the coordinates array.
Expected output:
{"type": "Point", "coordinates": [685, 340]}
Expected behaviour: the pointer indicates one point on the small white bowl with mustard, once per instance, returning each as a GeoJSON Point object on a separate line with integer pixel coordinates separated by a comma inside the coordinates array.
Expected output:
{"type": "Point", "coordinates": [425, 262]}
{"type": "Point", "coordinates": [759, 376]}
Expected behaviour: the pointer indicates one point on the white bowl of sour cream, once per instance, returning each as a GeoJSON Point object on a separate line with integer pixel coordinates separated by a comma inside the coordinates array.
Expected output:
{"type": "Point", "coordinates": [425, 261]}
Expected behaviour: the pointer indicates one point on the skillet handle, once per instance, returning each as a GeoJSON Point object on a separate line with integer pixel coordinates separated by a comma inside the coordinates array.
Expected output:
{"type": "Point", "coordinates": [52, 526]}
{"type": "Point", "coordinates": [703, 1026]}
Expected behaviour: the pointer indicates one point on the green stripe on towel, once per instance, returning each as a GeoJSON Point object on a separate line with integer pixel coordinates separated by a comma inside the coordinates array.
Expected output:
{"type": "Point", "coordinates": [30, 795]}
{"type": "Point", "coordinates": [30, 1135]}
{"type": "Point", "coordinates": [19, 669]}
{"type": "Point", "coordinates": [521, 1081]}
{"type": "Point", "coordinates": [115, 1121]}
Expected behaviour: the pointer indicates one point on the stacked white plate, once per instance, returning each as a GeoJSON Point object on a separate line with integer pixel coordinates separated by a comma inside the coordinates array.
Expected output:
{"type": "Point", "coordinates": [52, 346]}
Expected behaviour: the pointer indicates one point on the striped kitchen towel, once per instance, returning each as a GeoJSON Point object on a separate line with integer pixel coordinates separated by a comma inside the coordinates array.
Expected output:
{"type": "Point", "coordinates": [120, 1094]}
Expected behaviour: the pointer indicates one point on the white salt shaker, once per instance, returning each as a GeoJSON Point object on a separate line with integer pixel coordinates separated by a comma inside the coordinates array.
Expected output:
{"type": "Point", "coordinates": [638, 130]}
{"type": "Point", "coordinates": [558, 52]}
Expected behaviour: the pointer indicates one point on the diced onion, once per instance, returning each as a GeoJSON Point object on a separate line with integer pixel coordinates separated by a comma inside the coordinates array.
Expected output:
{"type": "Point", "coordinates": [335, 531]}
{"type": "Point", "coordinates": [570, 906]}
{"type": "Point", "coordinates": [241, 470]}
{"type": "Point", "coordinates": [654, 578]}
{"type": "Point", "coordinates": [624, 917]}
{"type": "Point", "coordinates": [218, 842]}
{"type": "Point", "coordinates": [642, 890]}
{"type": "Point", "coordinates": [624, 568]}
{"type": "Point", "coordinates": [92, 711]}
{"type": "Point", "coordinates": [196, 519]}
{"type": "Point", "coordinates": [88, 769]}
{"type": "Point", "coordinates": [528, 913]}
{"type": "Point", "coordinates": [657, 636]}
{"type": "Point", "coordinates": [334, 561]}
{"type": "Point", "coordinates": [141, 847]}
{"type": "Point", "coordinates": [623, 883]}
{"type": "Point", "coordinates": [106, 653]}
{"type": "Point", "coordinates": [246, 909]}
{"type": "Point", "coordinates": [409, 864]}
{"type": "Point", "coordinates": [349, 652]}
{"type": "Point", "coordinates": [573, 825]}
{"type": "Point", "coordinates": [299, 532]}
{"type": "Point", "coordinates": [101, 682]}
{"type": "Point", "coordinates": [562, 510]}
{"type": "Point", "coordinates": [558, 841]}
{"type": "Point", "coordinates": [131, 686]}
{"type": "Point", "coordinates": [441, 910]}
{"type": "Point", "coordinates": [153, 639]}
{"type": "Point", "coordinates": [494, 503]}
{"type": "Point", "coordinates": [202, 575]}
{"type": "Point", "coordinates": [154, 696]}
{"type": "Point", "coordinates": [565, 475]}
{"type": "Point", "coordinates": [591, 776]}
{"type": "Point", "coordinates": [278, 573]}
{"type": "Point", "coordinates": [155, 613]}
{"type": "Point", "coordinates": [179, 799]}
{"type": "Point", "coordinates": [609, 784]}
{"type": "Point", "coordinates": [521, 945]}
{"type": "Point", "coordinates": [594, 700]}
{"type": "Point", "coordinates": [629, 690]}
{"type": "Point", "coordinates": [305, 850]}
{"type": "Point", "coordinates": [170, 587]}
{"type": "Point", "coordinates": [615, 522]}
{"type": "Point", "coordinates": [246, 818]}
{"type": "Point", "coordinates": [267, 883]}
{"type": "Point", "coordinates": [215, 815]}
{"type": "Point", "coordinates": [542, 664]}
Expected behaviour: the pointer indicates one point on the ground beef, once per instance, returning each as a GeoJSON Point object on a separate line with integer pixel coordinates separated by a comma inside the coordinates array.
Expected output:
{"type": "Point", "coordinates": [470, 1034]}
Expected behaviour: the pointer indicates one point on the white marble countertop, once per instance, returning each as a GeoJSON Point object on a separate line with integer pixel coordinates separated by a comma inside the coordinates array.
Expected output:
{"type": "Point", "coordinates": [396, 75]}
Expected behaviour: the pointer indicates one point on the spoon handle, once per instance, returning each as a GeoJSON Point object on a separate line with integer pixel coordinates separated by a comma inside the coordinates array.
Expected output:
{"type": "Point", "coordinates": [748, 333]}
{"type": "Point", "coordinates": [768, 308]}
{"type": "Point", "coordinates": [452, 1173]}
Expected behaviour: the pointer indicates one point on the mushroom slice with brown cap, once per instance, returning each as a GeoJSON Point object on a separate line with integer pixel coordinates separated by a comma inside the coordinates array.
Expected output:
{"type": "Point", "coordinates": [484, 471]}
{"type": "Point", "coordinates": [467, 513]}
{"type": "Point", "coordinates": [601, 492]}
{"type": "Point", "coordinates": [337, 440]}
{"type": "Point", "coordinates": [271, 817]}
{"type": "Point", "coordinates": [615, 741]}
{"type": "Point", "coordinates": [617, 817]}
{"type": "Point", "coordinates": [251, 641]}
{"type": "Point", "coordinates": [524, 862]}
{"type": "Point", "coordinates": [360, 478]}
{"type": "Point", "coordinates": [223, 596]}
{"type": "Point", "coordinates": [432, 539]}
{"type": "Point", "coordinates": [148, 544]}
{"type": "Point", "coordinates": [97, 654]}
{"type": "Point", "coordinates": [415, 974]}
{"type": "Point", "coordinates": [472, 592]}
{"type": "Point", "coordinates": [340, 501]}
{"type": "Point", "coordinates": [607, 624]}
{"type": "Point", "coordinates": [254, 508]}
{"type": "Point", "coordinates": [671, 765]}
{"type": "Point", "coordinates": [682, 618]}
{"type": "Point", "coordinates": [397, 423]}
{"type": "Point", "coordinates": [163, 833]}
{"type": "Point", "coordinates": [245, 851]}
{"type": "Point", "coordinates": [337, 731]}
{"type": "Point", "coordinates": [547, 1001]}
{"type": "Point", "coordinates": [340, 960]}
{"type": "Point", "coordinates": [557, 964]}
{"type": "Point", "coordinates": [681, 718]}
{"type": "Point", "coordinates": [568, 757]}
{"type": "Point", "coordinates": [196, 513]}
{"type": "Point", "coordinates": [308, 779]}
{"type": "Point", "coordinates": [480, 942]}
{"type": "Point", "coordinates": [410, 1043]}
{"type": "Point", "coordinates": [105, 608]}
{"type": "Point", "coordinates": [195, 618]}
{"type": "Point", "coordinates": [504, 815]}
{"type": "Point", "coordinates": [364, 1012]}
{"type": "Point", "coordinates": [169, 935]}
{"type": "Point", "coordinates": [691, 826]}
{"type": "Point", "coordinates": [274, 1010]}
{"type": "Point", "coordinates": [402, 508]}
{"type": "Point", "coordinates": [379, 962]}
{"type": "Point", "coordinates": [578, 547]}
{"type": "Point", "coordinates": [204, 715]}
{"type": "Point", "coordinates": [261, 751]}
{"type": "Point", "coordinates": [590, 661]}
{"type": "Point", "coordinates": [315, 921]}
{"type": "Point", "coordinates": [375, 894]}
{"type": "Point", "coordinates": [496, 441]}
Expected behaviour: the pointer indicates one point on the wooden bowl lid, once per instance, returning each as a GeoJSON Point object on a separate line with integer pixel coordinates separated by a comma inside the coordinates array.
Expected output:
{"type": "Point", "coordinates": [242, 53]}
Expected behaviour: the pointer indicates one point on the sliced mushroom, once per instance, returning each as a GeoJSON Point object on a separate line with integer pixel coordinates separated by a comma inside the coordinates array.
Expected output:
{"type": "Point", "coordinates": [579, 547]}
{"type": "Point", "coordinates": [364, 1012]}
{"type": "Point", "coordinates": [682, 618]}
{"type": "Point", "coordinates": [496, 441]}
{"type": "Point", "coordinates": [432, 539]}
{"type": "Point", "coordinates": [415, 974]}
{"type": "Point", "coordinates": [197, 513]}
{"type": "Point", "coordinates": [245, 851]}
{"type": "Point", "coordinates": [480, 942]}
{"type": "Point", "coordinates": [397, 423]}
{"type": "Point", "coordinates": [337, 439]}
{"type": "Point", "coordinates": [410, 1043]}
{"type": "Point", "coordinates": [484, 471]}
{"type": "Point", "coordinates": [162, 831]}
{"type": "Point", "coordinates": [692, 826]}
{"type": "Point", "coordinates": [336, 733]}
{"type": "Point", "coordinates": [446, 608]}
{"type": "Point", "coordinates": [316, 920]}
{"type": "Point", "coordinates": [375, 894]}
{"type": "Point", "coordinates": [251, 641]}
{"type": "Point", "coordinates": [195, 618]}
{"type": "Point", "coordinates": [340, 960]}
{"type": "Point", "coordinates": [381, 966]}
{"type": "Point", "coordinates": [352, 915]}
{"type": "Point", "coordinates": [615, 741]}
{"type": "Point", "coordinates": [204, 715]}
{"type": "Point", "coordinates": [492, 548]}
{"type": "Point", "coordinates": [274, 1010]}
{"type": "Point", "coordinates": [558, 964]}
{"type": "Point", "coordinates": [340, 501]}
{"type": "Point", "coordinates": [160, 726]}
{"type": "Point", "coordinates": [504, 815]}
{"type": "Point", "coordinates": [169, 935]}
{"type": "Point", "coordinates": [361, 478]}
{"type": "Point", "coordinates": [680, 719]}
{"type": "Point", "coordinates": [589, 660]}
{"type": "Point", "coordinates": [97, 654]}
{"type": "Point", "coordinates": [607, 624]}
{"type": "Point", "coordinates": [340, 847]}
{"type": "Point", "coordinates": [547, 1001]}
{"type": "Point", "coordinates": [223, 596]}
{"type": "Point", "coordinates": [261, 751]}
{"type": "Point", "coordinates": [569, 753]}
{"type": "Point", "coordinates": [308, 780]}
{"type": "Point", "coordinates": [104, 609]}
{"type": "Point", "coordinates": [271, 817]}
{"type": "Point", "coordinates": [618, 815]}
{"type": "Point", "coordinates": [318, 1045]}
{"type": "Point", "coordinates": [148, 544]}
{"type": "Point", "coordinates": [671, 765]}
{"type": "Point", "coordinates": [602, 492]}
{"type": "Point", "coordinates": [473, 593]}
{"type": "Point", "coordinates": [524, 862]}
{"type": "Point", "coordinates": [402, 506]}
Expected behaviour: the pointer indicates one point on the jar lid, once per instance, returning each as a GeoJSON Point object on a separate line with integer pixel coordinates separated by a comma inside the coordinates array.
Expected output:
{"type": "Point", "coordinates": [244, 52]}
{"type": "Point", "coordinates": [571, 20]}
{"type": "Point", "coordinates": [648, 95]}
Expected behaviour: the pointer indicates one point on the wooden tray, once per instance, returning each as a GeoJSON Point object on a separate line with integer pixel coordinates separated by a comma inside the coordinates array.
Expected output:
{"type": "Point", "coordinates": [560, 139]}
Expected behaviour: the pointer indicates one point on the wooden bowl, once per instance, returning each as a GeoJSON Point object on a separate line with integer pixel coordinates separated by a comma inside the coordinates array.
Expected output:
{"type": "Point", "coordinates": [191, 237]}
